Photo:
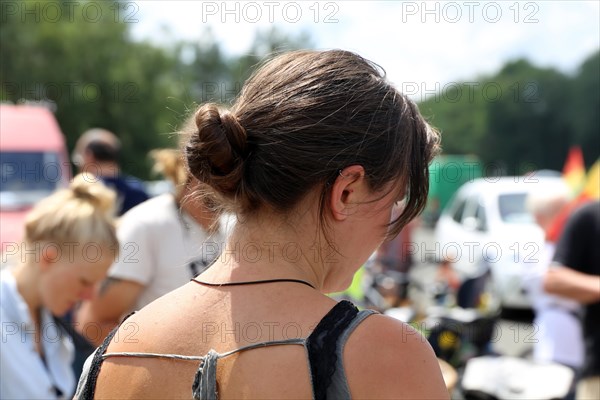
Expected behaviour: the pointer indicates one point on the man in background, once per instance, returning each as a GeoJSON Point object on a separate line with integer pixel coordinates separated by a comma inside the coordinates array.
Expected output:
{"type": "Point", "coordinates": [575, 274]}
{"type": "Point", "coordinates": [557, 318]}
{"type": "Point", "coordinates": [97, 152]}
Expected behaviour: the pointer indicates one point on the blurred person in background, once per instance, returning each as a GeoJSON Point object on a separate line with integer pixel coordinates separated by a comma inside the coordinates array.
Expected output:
{"type": "Point", "coordinates": [165, 242]}
{"type": "Point", "coordinates": [394, 259]}
{"type": "Point", "coordinates": [557, 319]}
{"type": "Point", "coordinates": [97, 152]}
{"type": "Point", "coordinates": [69, 244]}
{"type": "Point", "coordinates": [575, 274]}
{"type": "Point", "coordinates": [447, 282]}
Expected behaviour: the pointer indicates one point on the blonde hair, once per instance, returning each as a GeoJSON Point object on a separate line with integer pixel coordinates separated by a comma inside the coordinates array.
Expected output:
{"type": "Point", "coordinates": [83, 213]}
{"type": "Point", "coordinates": [171, 164]}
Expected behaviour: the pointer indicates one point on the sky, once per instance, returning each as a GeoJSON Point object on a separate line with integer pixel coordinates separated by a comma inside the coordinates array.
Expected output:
{"type": "Point", "coordinates": [424, 46]}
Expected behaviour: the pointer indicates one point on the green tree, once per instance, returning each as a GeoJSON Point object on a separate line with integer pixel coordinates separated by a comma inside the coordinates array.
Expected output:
{"type": "Point", "coordinates": [528, 127]}
{"type": "Point", "coordinates": [524, 117]}
{"type": "Point", "coordinates": [584, 102]}
{"type": "Point", "coordinates": [96, 75]}
{"type": "Point", "coordinates": [460, 115]}
{"type": "Point", "coordinates": [87, 64]}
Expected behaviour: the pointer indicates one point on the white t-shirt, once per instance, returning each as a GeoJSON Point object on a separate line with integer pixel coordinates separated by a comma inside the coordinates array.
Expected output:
{"type": "Point", "coordinates": [162, 247]}
{"type": "Point", "coordinates": [559, 336]}
{"type": "Point", "coordinates": [23, 374]}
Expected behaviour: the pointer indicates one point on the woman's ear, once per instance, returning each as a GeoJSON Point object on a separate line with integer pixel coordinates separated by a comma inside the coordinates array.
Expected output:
{"type": "Point", "coordinates": [347, 190]}
{"type": "Point", "coordinates": [48, 256]}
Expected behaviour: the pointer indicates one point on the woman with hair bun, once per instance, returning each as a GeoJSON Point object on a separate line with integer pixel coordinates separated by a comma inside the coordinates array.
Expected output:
{"type": "Point", "coordinates": [69, 243]}
{"type": "Point", "coordinates": [315, 153]}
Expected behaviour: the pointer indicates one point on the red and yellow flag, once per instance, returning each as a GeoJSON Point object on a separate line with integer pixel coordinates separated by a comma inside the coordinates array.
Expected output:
{"type": "Point", "coordinates": [574, 170]}
{"type": "Point", "coordinates": [584, 188]}
{"type": "Point", "coordinates": [591, 189]}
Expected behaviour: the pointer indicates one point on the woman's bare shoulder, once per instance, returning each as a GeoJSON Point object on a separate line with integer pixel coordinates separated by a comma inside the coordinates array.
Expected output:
{"type": "Point", "coordinates": [386, 358]}
{"type": "Point", "coordinates": [152, 329]}
{"type": "Point", "coordinates": [158, 328]}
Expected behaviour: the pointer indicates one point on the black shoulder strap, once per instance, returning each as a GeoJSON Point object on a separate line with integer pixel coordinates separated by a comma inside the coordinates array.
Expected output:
{"type": "Point", "coordinates": [89, 389]}
{"type": "Point", "coordinates": [322, 345]}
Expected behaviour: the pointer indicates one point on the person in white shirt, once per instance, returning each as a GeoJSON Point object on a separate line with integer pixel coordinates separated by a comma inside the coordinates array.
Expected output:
{"type": "Point", "coordinates": [165, 242]}
{"type": "Point", "coordinates": [559, 336]}
{"type": "Point", "coordinates": [69, 244]}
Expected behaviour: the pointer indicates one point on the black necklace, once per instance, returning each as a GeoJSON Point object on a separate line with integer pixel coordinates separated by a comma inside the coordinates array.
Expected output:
{"type": "Point", "coordinates": [253, 282]}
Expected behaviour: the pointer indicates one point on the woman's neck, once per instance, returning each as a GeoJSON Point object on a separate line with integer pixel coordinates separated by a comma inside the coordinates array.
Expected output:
{"type": "Point", "coordinates": [270, 249]}
{"type": "Point", "coordinates": [27, 286]}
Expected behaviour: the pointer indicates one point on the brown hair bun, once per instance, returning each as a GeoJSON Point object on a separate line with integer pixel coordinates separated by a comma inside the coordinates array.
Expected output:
{"type": "Point", "coordinates": [217, 150]}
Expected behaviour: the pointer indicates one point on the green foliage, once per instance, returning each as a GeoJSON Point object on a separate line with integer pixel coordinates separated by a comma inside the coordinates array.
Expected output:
{"type": "Point", "coordinates": [522, 118]}
{"type": "Point", "coordinates": [536, 133]}
{"type": "Point", "coordinates": [94, 74]}
{"type": "Point", "coordinates": [98, 76]}
{"type": "Point", "coordinates": [583, 106]}
{"type": "Point", "coordinates": [459, 114]}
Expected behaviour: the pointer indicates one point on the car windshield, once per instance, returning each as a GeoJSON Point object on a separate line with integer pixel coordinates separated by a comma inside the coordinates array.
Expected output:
{"type": "Point", "coordinates": [26, 177]}
{"type": "Point", "coordinates": [512, 208]}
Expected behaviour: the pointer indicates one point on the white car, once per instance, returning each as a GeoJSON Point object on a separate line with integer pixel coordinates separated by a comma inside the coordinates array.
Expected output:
{"type": "Point", "coordinates": [487, 225]}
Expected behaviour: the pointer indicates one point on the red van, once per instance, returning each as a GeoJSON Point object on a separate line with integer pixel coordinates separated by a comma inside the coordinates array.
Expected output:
{"type": "Point", "coordinates": [33, 163]}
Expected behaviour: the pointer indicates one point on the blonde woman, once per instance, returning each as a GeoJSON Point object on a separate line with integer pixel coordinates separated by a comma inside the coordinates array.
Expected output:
{"type": "Point", "coordinates": [165, 242]}
{"type": "Point", "coordinates": [69, 244]}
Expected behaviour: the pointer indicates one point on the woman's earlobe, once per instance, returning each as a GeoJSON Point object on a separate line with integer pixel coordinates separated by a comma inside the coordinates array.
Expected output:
{"type": "Point", "coordinates": [48, 256]}
{"type": "Point", "coordinates": [338, 204]}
